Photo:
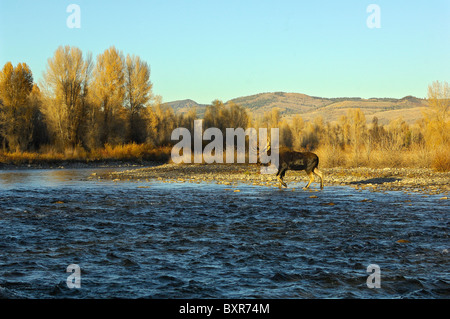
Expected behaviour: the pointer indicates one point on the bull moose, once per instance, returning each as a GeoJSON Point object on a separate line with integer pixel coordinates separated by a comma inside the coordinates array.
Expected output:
{"type": "Point", "coordinates": [297, 161]}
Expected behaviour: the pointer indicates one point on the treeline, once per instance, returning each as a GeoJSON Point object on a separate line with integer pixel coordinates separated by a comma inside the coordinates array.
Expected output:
{"type": "Point", "coordinates": [353, 141]}
{"type": "Point", "coordinates": [100, 109]}
{"type": "Point", "coordinates": [80, 104]}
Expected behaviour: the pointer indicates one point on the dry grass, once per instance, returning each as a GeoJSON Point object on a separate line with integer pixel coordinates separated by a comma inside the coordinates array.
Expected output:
{"type": "Point", "coordinates": [128, 152]}
{"type": "Point", "coordinates": [441, 159]}
{"type": "Point", "coordinates": [413, 158]}
{"type": "Point", "coordinates": [131, 152]}
{"type": "Point", "coordinates": [330, 157]}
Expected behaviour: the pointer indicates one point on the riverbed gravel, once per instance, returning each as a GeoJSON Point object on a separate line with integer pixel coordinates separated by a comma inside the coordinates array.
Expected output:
{"type": "Point", "coordinates": [421, 180]}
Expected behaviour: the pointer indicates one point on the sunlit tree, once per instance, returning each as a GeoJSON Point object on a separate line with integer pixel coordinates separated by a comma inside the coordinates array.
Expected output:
{"type": "Point", "coordinates": [161, 121]}
{"type": "Point", "coordinates": [108, 95]}
{"type": "Point", "coordinates": [272, 118]}
{"type": "Point", "coordinates": [437, 124]}
{"type": "Point", "coordinates": [138, 93]}
{"type": "Point", "coordinates": [65, 85]}
{"type": "Point", "coordinates": [297, 127]}
{"type": "Point", "coordinates": [18, 111]}
{"type": "Point", "coordinates": [286, 136]}
{"type": "Point", "coordinates": [437, 115]}
{"type": "Point", "coordinates": [213, 114]}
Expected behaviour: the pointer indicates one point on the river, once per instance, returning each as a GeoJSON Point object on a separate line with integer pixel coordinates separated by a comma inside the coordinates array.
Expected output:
{"type": "Point", "coordinates": [149, 239]}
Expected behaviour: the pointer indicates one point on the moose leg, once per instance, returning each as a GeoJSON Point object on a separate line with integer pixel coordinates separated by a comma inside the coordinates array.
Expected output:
{"type": "Point", "coordinates": [311, 179]}
{"type": "Point", "coordinates": [280, 176]}
{"type": "Point", "coordinates": [319, 173]}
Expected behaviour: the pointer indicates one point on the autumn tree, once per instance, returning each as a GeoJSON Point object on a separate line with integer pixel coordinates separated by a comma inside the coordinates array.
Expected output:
{"type": "Point", "coordinates": [212, 115]}
{"type": "Point", "coordinates": [187, 119]}
{"type": "Point", "coordinates": [437, 124]}
{"type": "Point", "coordinates": [357, 133]}
{"type": "Point", "coordinates": [334, 143]}
{"type": "Point", "coordinates": [357, 122]}
{"type": "Point", "coordinates": [65, 84]}
{"type": "Point", "coordinates": [310, 138]}
{"type": "Point", "coordinates": [223, 116]}
{"type": "Point", "coordinates": [272, 118]}
{"type": "Point", "coordinates": [344, 123]}
{"type": "Point", "coordinates": [437, 116]}
{"type": "Point", "coordinates": [19, 111]}
{"type": "Point", "coordinates": [40, 132]}
{"type": "Point", "coordinates": [286, 136]}
{"type": "Point", "coordinates": [297, 127]}
{"type": "Point", "coordinates": [108, 95]}
{"type": "Point", "coordinates": [234, 116]}
{"type": "Point", "coordinates": [137, 96]}
{"type": "Point", "coordinates": [333, 135]}
{"type": "Point", "coordinates": [161, 121]}
{"type": "Point", "coordinates": [375, 133]}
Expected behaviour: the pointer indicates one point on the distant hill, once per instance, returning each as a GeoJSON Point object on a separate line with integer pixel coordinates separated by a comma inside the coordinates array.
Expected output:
{"type": "Point", "coordinates": [183, 106]}
{"type": "Point", "coordinates": [309, 107]}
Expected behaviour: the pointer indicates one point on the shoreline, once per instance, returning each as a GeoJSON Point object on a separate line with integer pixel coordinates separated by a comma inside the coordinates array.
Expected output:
{"type": "Point", "coordinates": [79, 164]}
{"type": "Point", "coordinates": [414, 180]}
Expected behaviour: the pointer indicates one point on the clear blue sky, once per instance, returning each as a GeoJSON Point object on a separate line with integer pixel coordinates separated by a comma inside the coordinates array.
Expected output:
{"type": "Point", "coordinates": [208, 49]}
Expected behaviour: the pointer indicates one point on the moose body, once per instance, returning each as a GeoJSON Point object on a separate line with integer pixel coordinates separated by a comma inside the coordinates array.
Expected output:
{"type": "Point", "coordinates": [298, 161]}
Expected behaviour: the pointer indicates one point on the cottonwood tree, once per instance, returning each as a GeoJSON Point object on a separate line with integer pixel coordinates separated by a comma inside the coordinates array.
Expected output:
{"type": "Point", "coordinates": [40, 132]}
{"type": "Point", "coordinates": [436, 117]}
{"type": "Point", "coordinates": [18, 111]}
{"type": "Point", "coordinates": [234, 116]}
{"type": "Point", "coordinates": [286, 136]}
{"type": "Point", "coordinates": [187, 120]}
{"type": "Point", "coordinates": [357, 127]}
{"type": "Point", "coordinates": [212, 115]}
{"type": "Point", "coordinates": [297, 126]}
{"type": "Point", "coordinates": [272, 118]}
{"type": "Point", "coordinates": [65, 84]}
{"type": "Point", "coordinates": [108, 95]}
{"type": "Point", "coordinates": [138, 93]}
{"type": "Point", "coordinates": [223, 116]}
{"type": "Point", "coordinates": [437, 125]}
{"type": "Point", "coordinates": [161, 121]}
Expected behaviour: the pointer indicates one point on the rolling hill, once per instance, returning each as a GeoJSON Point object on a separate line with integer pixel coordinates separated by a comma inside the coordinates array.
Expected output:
{"type": "Point", "coordinates": [309, 107]}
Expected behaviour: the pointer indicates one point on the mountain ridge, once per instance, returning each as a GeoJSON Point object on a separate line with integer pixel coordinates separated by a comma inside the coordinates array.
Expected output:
{"type": "Point", "coordinates": [409, 108]}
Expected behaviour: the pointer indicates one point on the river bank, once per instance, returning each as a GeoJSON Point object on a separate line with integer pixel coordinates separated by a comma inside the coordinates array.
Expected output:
{"type": "Point", "coordinates": [421, 180]}
{"type": "Point", "coordinates": [386, 179]}
{"type": "Point", "coordinates": [79, 164]}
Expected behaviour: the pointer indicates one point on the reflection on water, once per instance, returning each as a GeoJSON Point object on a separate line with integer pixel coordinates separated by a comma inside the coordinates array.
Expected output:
{"type": "Point", "coordinates": [46, 177]}
{"type": "Point", "coordinates": [187, 240]}
{"type": "Point", "coordinates": [11, 178]}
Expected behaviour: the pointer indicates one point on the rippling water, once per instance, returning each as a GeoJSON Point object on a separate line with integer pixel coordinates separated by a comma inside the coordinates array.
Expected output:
{"type": "Point", "coordinates": [183, 240]}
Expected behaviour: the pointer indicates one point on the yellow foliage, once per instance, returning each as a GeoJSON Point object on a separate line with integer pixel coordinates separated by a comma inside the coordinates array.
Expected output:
{"type": "Point", "coordinates": [127, 152]}
{"type": "Point", "coordinates": [441, 159]}
{"type": "Point", "coordinates": [437, 129]}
